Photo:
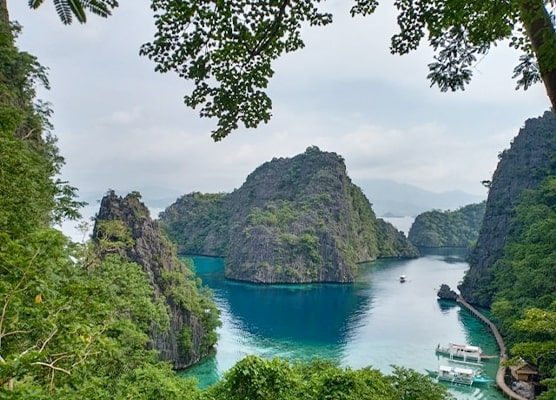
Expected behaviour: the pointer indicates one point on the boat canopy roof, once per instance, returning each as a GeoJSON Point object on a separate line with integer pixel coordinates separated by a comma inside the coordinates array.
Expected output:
{"type": "Point", "coordinates": [465, 347]}
{"type": "Point", "coordinates": [466, 371]}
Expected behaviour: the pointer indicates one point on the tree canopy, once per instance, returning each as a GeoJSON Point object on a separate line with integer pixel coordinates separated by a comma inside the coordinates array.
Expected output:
{"type": "Point", "coordinates": [255, 378]}
{"type": "Point", "coordinates": [227, 49]}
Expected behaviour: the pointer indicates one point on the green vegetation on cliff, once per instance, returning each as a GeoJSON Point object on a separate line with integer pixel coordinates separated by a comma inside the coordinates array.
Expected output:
{"type": "Point", "coordinates": [528, 161]}
{"type": "Point", "coordinates": [512, 267]}
{"type": "Point", "coordinates": [123, 227]}
{"type": "Point", "coordinates": [458, 228]}
{"type": "Point", "coordinates": [524, 284]}
{"type": "Point", "coordinates": [294, 220]}
{"type": "Point", "coordinates": [204, 214]}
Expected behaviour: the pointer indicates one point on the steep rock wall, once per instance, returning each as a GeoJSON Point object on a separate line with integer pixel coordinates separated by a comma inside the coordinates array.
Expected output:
{"type": "Point", "coordinates": [155, 254]}
{"type": "Point", "coordinates": [530, 158]}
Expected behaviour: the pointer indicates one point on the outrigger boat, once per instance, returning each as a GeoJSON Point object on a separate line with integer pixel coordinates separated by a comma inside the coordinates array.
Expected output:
{"type": "Point", "coordinates": [463, 352]}
{"type": "Point", "coordinates": [454, 374]}
{"type": "Point", "coordinates": [464, 376]}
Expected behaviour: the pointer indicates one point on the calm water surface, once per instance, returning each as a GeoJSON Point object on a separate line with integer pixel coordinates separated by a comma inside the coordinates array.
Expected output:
{"type": "Point", "coordinates": [376, 321]}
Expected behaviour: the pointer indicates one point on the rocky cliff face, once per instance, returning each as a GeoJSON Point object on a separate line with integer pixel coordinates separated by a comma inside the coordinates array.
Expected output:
{"type": "Point", "coordinates": [524, 165]}
{"type": "Point", "coordinates": [295, 220]}
{"type": "Point", "coordinates": [124, 226]}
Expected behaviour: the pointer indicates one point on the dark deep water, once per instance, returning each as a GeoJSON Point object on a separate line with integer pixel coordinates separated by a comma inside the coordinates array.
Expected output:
{"type": "Point", "coordinates": [376, 321]}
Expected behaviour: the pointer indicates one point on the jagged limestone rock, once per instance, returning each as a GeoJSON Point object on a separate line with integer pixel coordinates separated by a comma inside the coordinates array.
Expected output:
{"type": "Point", "coordinates": [123, 226]}
{"type": "Point", "coordinates": [294, 220]}
{"type": "Point", "coordinates": [524, 165]}
{"type": "Point", "coordinates": [446, 293]}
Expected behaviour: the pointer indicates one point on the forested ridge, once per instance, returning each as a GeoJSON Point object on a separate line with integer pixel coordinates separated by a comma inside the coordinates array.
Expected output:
{"type": "Point", "coordinates": [459, 228]}
{"type": "Point", "coordinates": [73, 324]}
{"type": "Point", "coordinates": [524, 288]}
{"type": "Point", "coordinates": [76, 319]}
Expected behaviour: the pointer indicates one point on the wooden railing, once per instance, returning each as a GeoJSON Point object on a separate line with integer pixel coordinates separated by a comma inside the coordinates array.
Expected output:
{"type": "Point", "coordinates": [500, 375]}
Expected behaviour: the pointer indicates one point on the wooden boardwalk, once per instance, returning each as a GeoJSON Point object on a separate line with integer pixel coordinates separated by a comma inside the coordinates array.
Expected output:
{"type": "Point", "coordinates": [500, 381]}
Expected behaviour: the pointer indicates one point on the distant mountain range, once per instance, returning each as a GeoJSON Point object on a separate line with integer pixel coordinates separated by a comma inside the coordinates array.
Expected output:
{"type": "Point", "coordinates": [392, 199]}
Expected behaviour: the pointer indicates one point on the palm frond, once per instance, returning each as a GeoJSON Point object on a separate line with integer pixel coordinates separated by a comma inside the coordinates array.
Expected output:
{"type": "Point", "coordinates": [77, 9]}
{"type": "Point", "coordinates": [34, 4]}
{"type": "Point", "coordinates": [98, 7]}
{"type": "Point", "coordinates": [102, 8]}
{"type": "Point", "coordinates": [64, 11]}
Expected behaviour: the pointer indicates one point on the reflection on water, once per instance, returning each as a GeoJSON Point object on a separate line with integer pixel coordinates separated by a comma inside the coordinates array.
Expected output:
{"type": "Point", "coordinates": [450, 255]}
{"type": "Point", "coordinates": [376, 321]}
{"type": "Point", "coordinates": [445, 305]}
{"type": "Point", "coordinates": [278, 312]}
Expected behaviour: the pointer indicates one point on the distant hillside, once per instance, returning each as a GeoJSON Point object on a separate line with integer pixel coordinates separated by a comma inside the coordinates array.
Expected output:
{"type": "Point", "coordinates": [458, 228]}
{"type": "Point", "coordinates": [389, 198]}
{"type": "Point", "coordinates": [294, 220]}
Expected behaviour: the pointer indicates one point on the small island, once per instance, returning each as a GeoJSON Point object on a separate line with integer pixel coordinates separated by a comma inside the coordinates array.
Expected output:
{"type": "Point", "coordinates": [294, 220]}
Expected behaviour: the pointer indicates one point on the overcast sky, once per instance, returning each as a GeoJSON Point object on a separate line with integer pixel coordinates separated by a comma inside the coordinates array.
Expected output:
{"type": "Point", "coordinates": [123, 126]}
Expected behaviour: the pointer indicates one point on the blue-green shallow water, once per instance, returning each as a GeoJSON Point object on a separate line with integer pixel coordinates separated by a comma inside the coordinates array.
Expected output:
{"type": "Point", "coordinates": [376, 321]}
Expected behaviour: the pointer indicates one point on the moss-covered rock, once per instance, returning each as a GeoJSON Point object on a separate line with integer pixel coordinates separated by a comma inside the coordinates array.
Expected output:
{"type": "Point", "coordinates": [294, 220]}
{"type": "Point", "coordinates": [123, 226]}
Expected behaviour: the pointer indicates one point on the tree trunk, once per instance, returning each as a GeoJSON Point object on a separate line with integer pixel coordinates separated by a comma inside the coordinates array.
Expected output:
{"type": "Point", "coordinates": [540, 30]}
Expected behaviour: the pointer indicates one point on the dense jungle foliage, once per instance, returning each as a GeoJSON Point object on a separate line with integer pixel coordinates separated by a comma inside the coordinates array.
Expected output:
{"type": "Point", "coordinates": [458, 228]}
{"type": "Point", "coordinates": [255, 378]}
{"type": "Point", "coordinates": [524, 288]}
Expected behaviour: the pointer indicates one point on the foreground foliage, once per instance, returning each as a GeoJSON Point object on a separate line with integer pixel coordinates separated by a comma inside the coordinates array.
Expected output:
{"type": "Point", "coordinates": [227, 48]}
{"type": "Point", "coordinates": [72, 325]}
{"type": "Point", "coordinates": [255, 378]}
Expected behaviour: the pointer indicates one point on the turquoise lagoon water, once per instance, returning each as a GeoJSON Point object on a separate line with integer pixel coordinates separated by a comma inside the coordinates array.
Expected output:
{"type": "Point", "coordinates": [377, 321]}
